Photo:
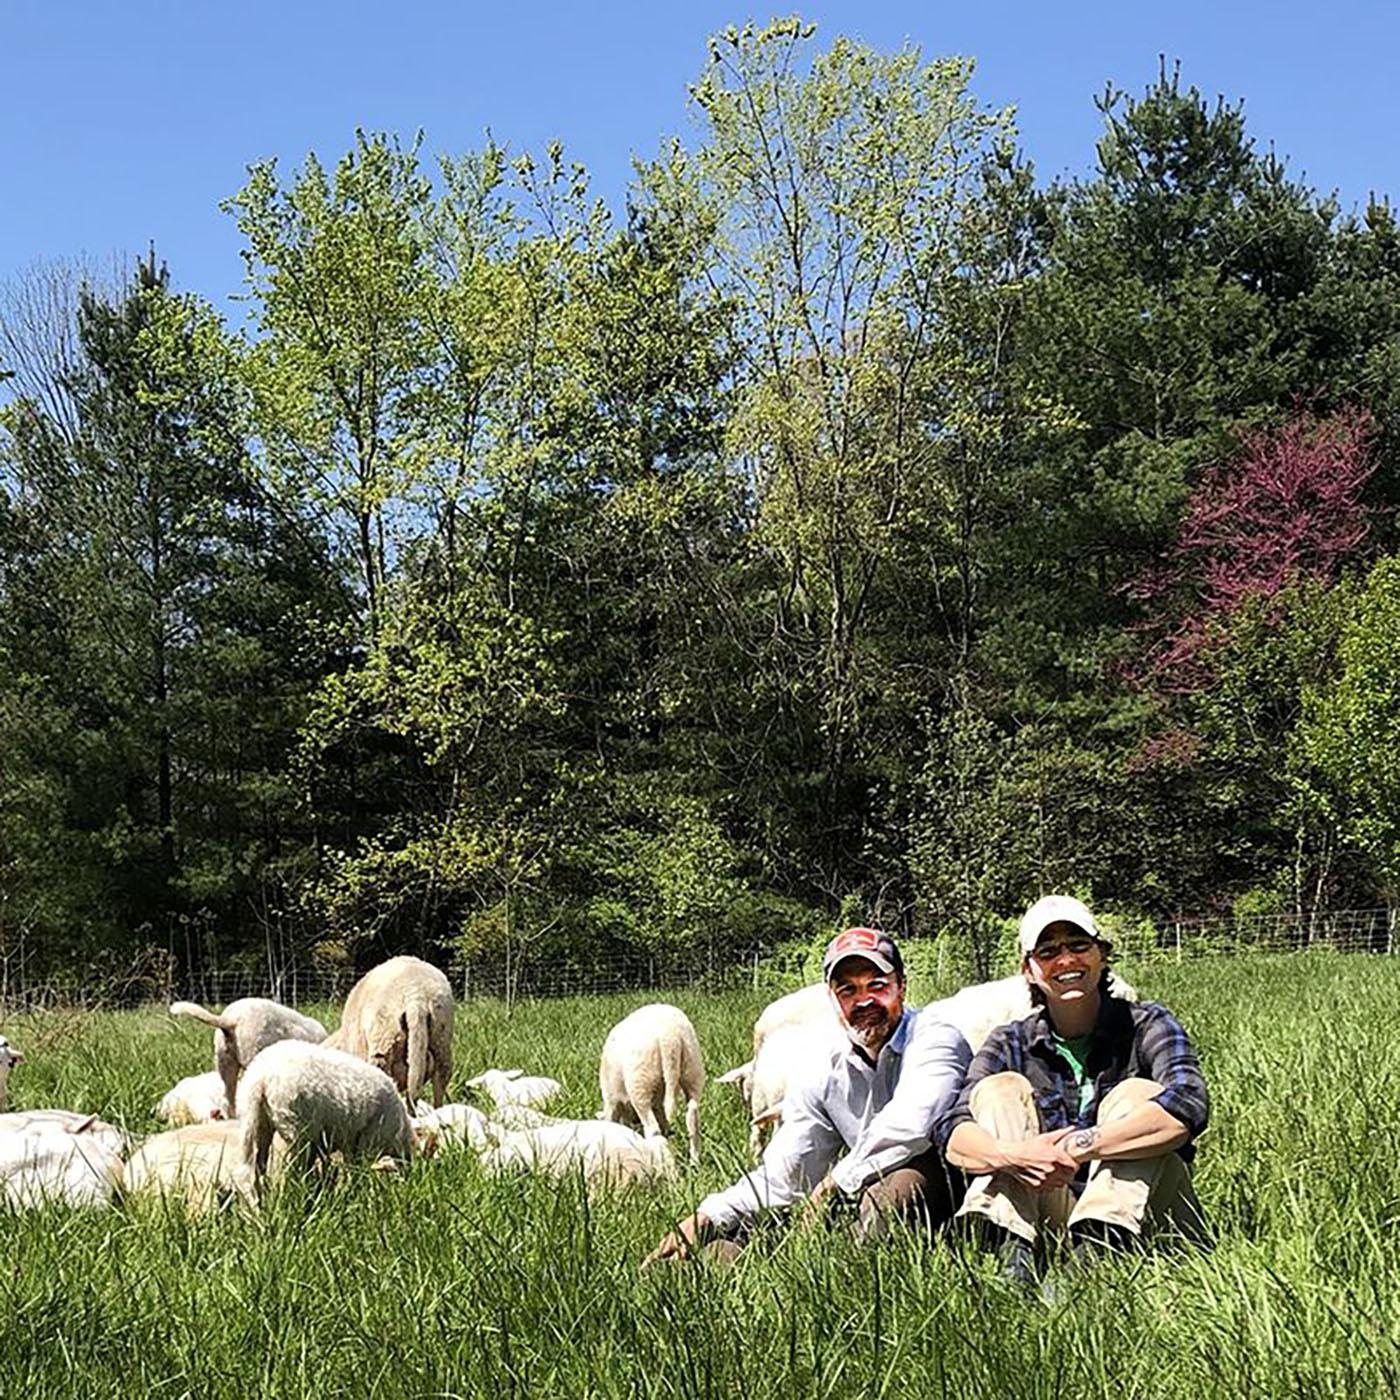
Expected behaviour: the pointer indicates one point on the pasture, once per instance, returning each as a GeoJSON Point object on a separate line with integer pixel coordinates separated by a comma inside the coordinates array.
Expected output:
{"type": "Point", "coordinates": [447, 1283]}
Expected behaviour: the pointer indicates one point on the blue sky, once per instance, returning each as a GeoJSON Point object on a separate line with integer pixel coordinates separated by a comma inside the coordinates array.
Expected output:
{"type": "Point", "coordinates": [120, 124]}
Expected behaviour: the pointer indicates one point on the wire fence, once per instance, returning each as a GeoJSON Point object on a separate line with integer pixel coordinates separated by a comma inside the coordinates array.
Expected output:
{"type": "Point", "coordinates": [156, 977]}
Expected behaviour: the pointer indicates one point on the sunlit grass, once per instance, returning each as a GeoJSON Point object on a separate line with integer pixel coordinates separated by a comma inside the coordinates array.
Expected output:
{"type": "Point", "coordinates": [449, 1283]}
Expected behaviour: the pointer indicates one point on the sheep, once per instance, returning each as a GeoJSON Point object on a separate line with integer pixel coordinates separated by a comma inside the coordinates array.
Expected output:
{"type": "Point", "coordinates": [608, 1154]}
{"type": "Point", "coordinates": [454, 1123]}
{"type": "Point", "coordinates": [807, 1006]}
{"type": "Point", "coordinates": [198, 1098]}
{"type": "Point", "coordinates": [319, 1101]}
{"type": "Point", "coordinates": [9, 1058]}
{"type": "Point", "coordinates": [650, 1059]}
{"type": "Point", "coordinates": [785, 1053]}
{"type": "Point", "coordinates": [36, 1121]}
{"type": "Point", "coordinates": [978, 1010]}
{"type": "Point", "coordinates": [246, 1027]}
{"type": "Point", "coordinates": [512, 1086]}
{"type": "Point", "coordinates": [398, 1016]}
{"type": "Point", "coordinates": [199, 1161]}
{"type": "Point", "coordinates": [46, 1159]}
{"type": "Point", "coordinates": [461, 1122]}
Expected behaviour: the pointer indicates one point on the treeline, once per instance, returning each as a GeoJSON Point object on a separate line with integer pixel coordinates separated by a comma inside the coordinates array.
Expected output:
{"type": "Point", "coordinates": [854, 525]}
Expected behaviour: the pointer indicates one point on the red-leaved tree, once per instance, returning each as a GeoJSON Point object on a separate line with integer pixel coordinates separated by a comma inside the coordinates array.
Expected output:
{"type": "Point", "coordinates": [1287, 508]}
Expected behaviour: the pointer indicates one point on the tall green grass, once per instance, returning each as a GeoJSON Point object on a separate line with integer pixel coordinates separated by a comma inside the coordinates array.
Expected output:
{"type": "Point", "coordinates": [448, 1283]}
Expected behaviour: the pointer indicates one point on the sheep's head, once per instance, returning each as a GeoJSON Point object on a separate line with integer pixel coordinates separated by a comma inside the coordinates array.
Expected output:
{"type": "Point", "coordinates": [9, 1056]}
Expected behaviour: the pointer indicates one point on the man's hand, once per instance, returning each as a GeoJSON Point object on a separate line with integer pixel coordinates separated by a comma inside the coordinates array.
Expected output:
{"type": "Point", "coordinates": [814, 1207]}
{"type": "Point", "coordinates": [1041, 1162]}
{"type": "Point", "coordinates": [679, 1243]}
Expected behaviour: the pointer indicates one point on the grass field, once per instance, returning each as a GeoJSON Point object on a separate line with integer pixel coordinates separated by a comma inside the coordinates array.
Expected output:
{"type": "Point", "coordinates": [451, 1284]}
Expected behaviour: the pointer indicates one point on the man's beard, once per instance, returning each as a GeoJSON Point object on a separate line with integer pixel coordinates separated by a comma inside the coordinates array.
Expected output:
{"type": "Point", "coordinates": [869, 1034]}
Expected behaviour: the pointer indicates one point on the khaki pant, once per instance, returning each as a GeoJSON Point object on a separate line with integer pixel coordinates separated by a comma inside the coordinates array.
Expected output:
{"type": "Point", "coordinates": [1142, 1196]}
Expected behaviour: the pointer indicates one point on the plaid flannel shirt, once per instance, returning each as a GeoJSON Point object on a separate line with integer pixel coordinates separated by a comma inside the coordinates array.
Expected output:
{"type": "Point", "coordinates": [1130, 1040]}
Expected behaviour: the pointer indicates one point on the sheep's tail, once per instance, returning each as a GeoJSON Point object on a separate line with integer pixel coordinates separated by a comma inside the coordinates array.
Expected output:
{"type": "Point", "coordinates": [190, 1008]}
{"type": "Point", "coordinates": [419, 1024]}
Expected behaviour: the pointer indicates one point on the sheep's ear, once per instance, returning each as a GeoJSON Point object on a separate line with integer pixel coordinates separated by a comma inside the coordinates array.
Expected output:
{"type": "Point", "coordinates": [16, 1058]}
{"type": "Point", "coordinates": [512, 1073]}
{"type": "Point", "coordinates": [736, 1076]}
{"type": "Point", "coordinates": [475, 1083]}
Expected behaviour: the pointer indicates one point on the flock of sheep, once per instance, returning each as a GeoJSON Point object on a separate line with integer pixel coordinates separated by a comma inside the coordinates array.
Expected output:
{"type": "Point", "coordinates": [286, 1095]}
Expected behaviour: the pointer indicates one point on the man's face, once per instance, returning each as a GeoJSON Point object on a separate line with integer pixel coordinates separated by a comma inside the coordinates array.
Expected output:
{"type": "Point", "coordinates": [869, 1002]}
{"type": "Point", "coordinates": [1067, 964]}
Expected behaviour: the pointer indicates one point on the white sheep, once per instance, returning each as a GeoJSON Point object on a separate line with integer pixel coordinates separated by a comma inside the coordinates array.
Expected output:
{"type": "Point", "coordinates": [786, 1052]}
{"type": "Point", "coordinates": [607, 1154]}
{"type": "Point", "coordinates": [198, 1098]}
{"type": "Point", "coordinates": [455, 1123]}
{"type": "Point", "coordinates": [318, 1101]}
{"type": "Point", "coordinates": [651, 1059]}
{"type": "Point", "coordinates": [246, 1027]}
{"type": "Point", "coordinates": [200, 1162]}
{"type": "Point", "coordinates": [398, 1016]}
{"type": "Point", "coordinates": [978, 1010]}
{"type": "Point", "coordinates": [47, 1159]}
{"type": "Point", "coordinates": [513, 1086]}
{"type": "Point", "coordinates": [64, 1120]}
{"type": "Point", "coordinates": [807, 1006]}
{"type": "Point", "coordinates": [465, 1123]}
{"type": "Point", "coordinates": [9, 1058]}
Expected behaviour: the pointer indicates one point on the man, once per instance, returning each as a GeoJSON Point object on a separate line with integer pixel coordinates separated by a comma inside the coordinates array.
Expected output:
{"type": "Point", "coordinates": [1082, 1116]}
{"type": "Point", "coordinates": [876, 1100]}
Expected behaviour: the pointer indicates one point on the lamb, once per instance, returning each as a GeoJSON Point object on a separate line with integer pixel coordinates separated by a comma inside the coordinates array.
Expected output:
{"type": "Point", "coordinates": [198, 1098]}
{"type": "Point", "coordinates": [608, 1154]}
{"type": "Point", "coordinates": [461, 1122]}
{"type": "Point", "coordinates": [782, 1057]}
{"type": "Point", "coordinates": [9, 1058]}
{"type": "Point", "coordinates": [454, 1123]}
{"type": "Point", "coordinates": [512, 1086]}
{"type": "Point", "coordinates": [650, 1059]}
{"type": "Point", "coordinates": [200, 1162]}
{"type": "Point", "coordinates": [246, 1027]}
{"type": "Point", "coordinates": [319, 1101]}
{"type": "Point", "coordinates": [399, 1016]}
{"type": "Point", "coordinates": [46, 1158]}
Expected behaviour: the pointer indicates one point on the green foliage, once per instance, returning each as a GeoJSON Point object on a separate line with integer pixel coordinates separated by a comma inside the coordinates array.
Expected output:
{"type": "Point", "coordinates": [1351, 726]}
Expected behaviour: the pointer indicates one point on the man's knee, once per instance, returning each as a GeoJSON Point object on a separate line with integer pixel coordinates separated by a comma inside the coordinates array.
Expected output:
{"type": "Point", "coordinates": [1125, 1096]}
{"type": "Point", "coordinates": [926, 1192]}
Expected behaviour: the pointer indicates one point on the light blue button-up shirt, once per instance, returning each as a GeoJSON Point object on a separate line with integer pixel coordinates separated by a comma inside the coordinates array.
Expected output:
{"type": "Point", "coordinates": [881, 1116]}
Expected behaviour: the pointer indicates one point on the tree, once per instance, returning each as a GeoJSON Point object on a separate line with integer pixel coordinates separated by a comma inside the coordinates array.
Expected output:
{"type": "Point", "coordinates": [833, 188]}
{"type": "Point", "coordinates": [339, 268]}
{"type": "Point", "coordinates": [160, 602]}
{"type": "Point", "coordinates": [1351, 726]}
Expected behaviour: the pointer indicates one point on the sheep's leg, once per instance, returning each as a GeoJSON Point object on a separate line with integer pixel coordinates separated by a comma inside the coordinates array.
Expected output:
{"type": "Point", "coordinates": [692, 1128]}
{"type": "Point", "coordinates": [439, 1082]}
{"type": "Point", "coordinates": [653, 1120]}
{"type": "Point", "coordinates": [226, 1062]}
